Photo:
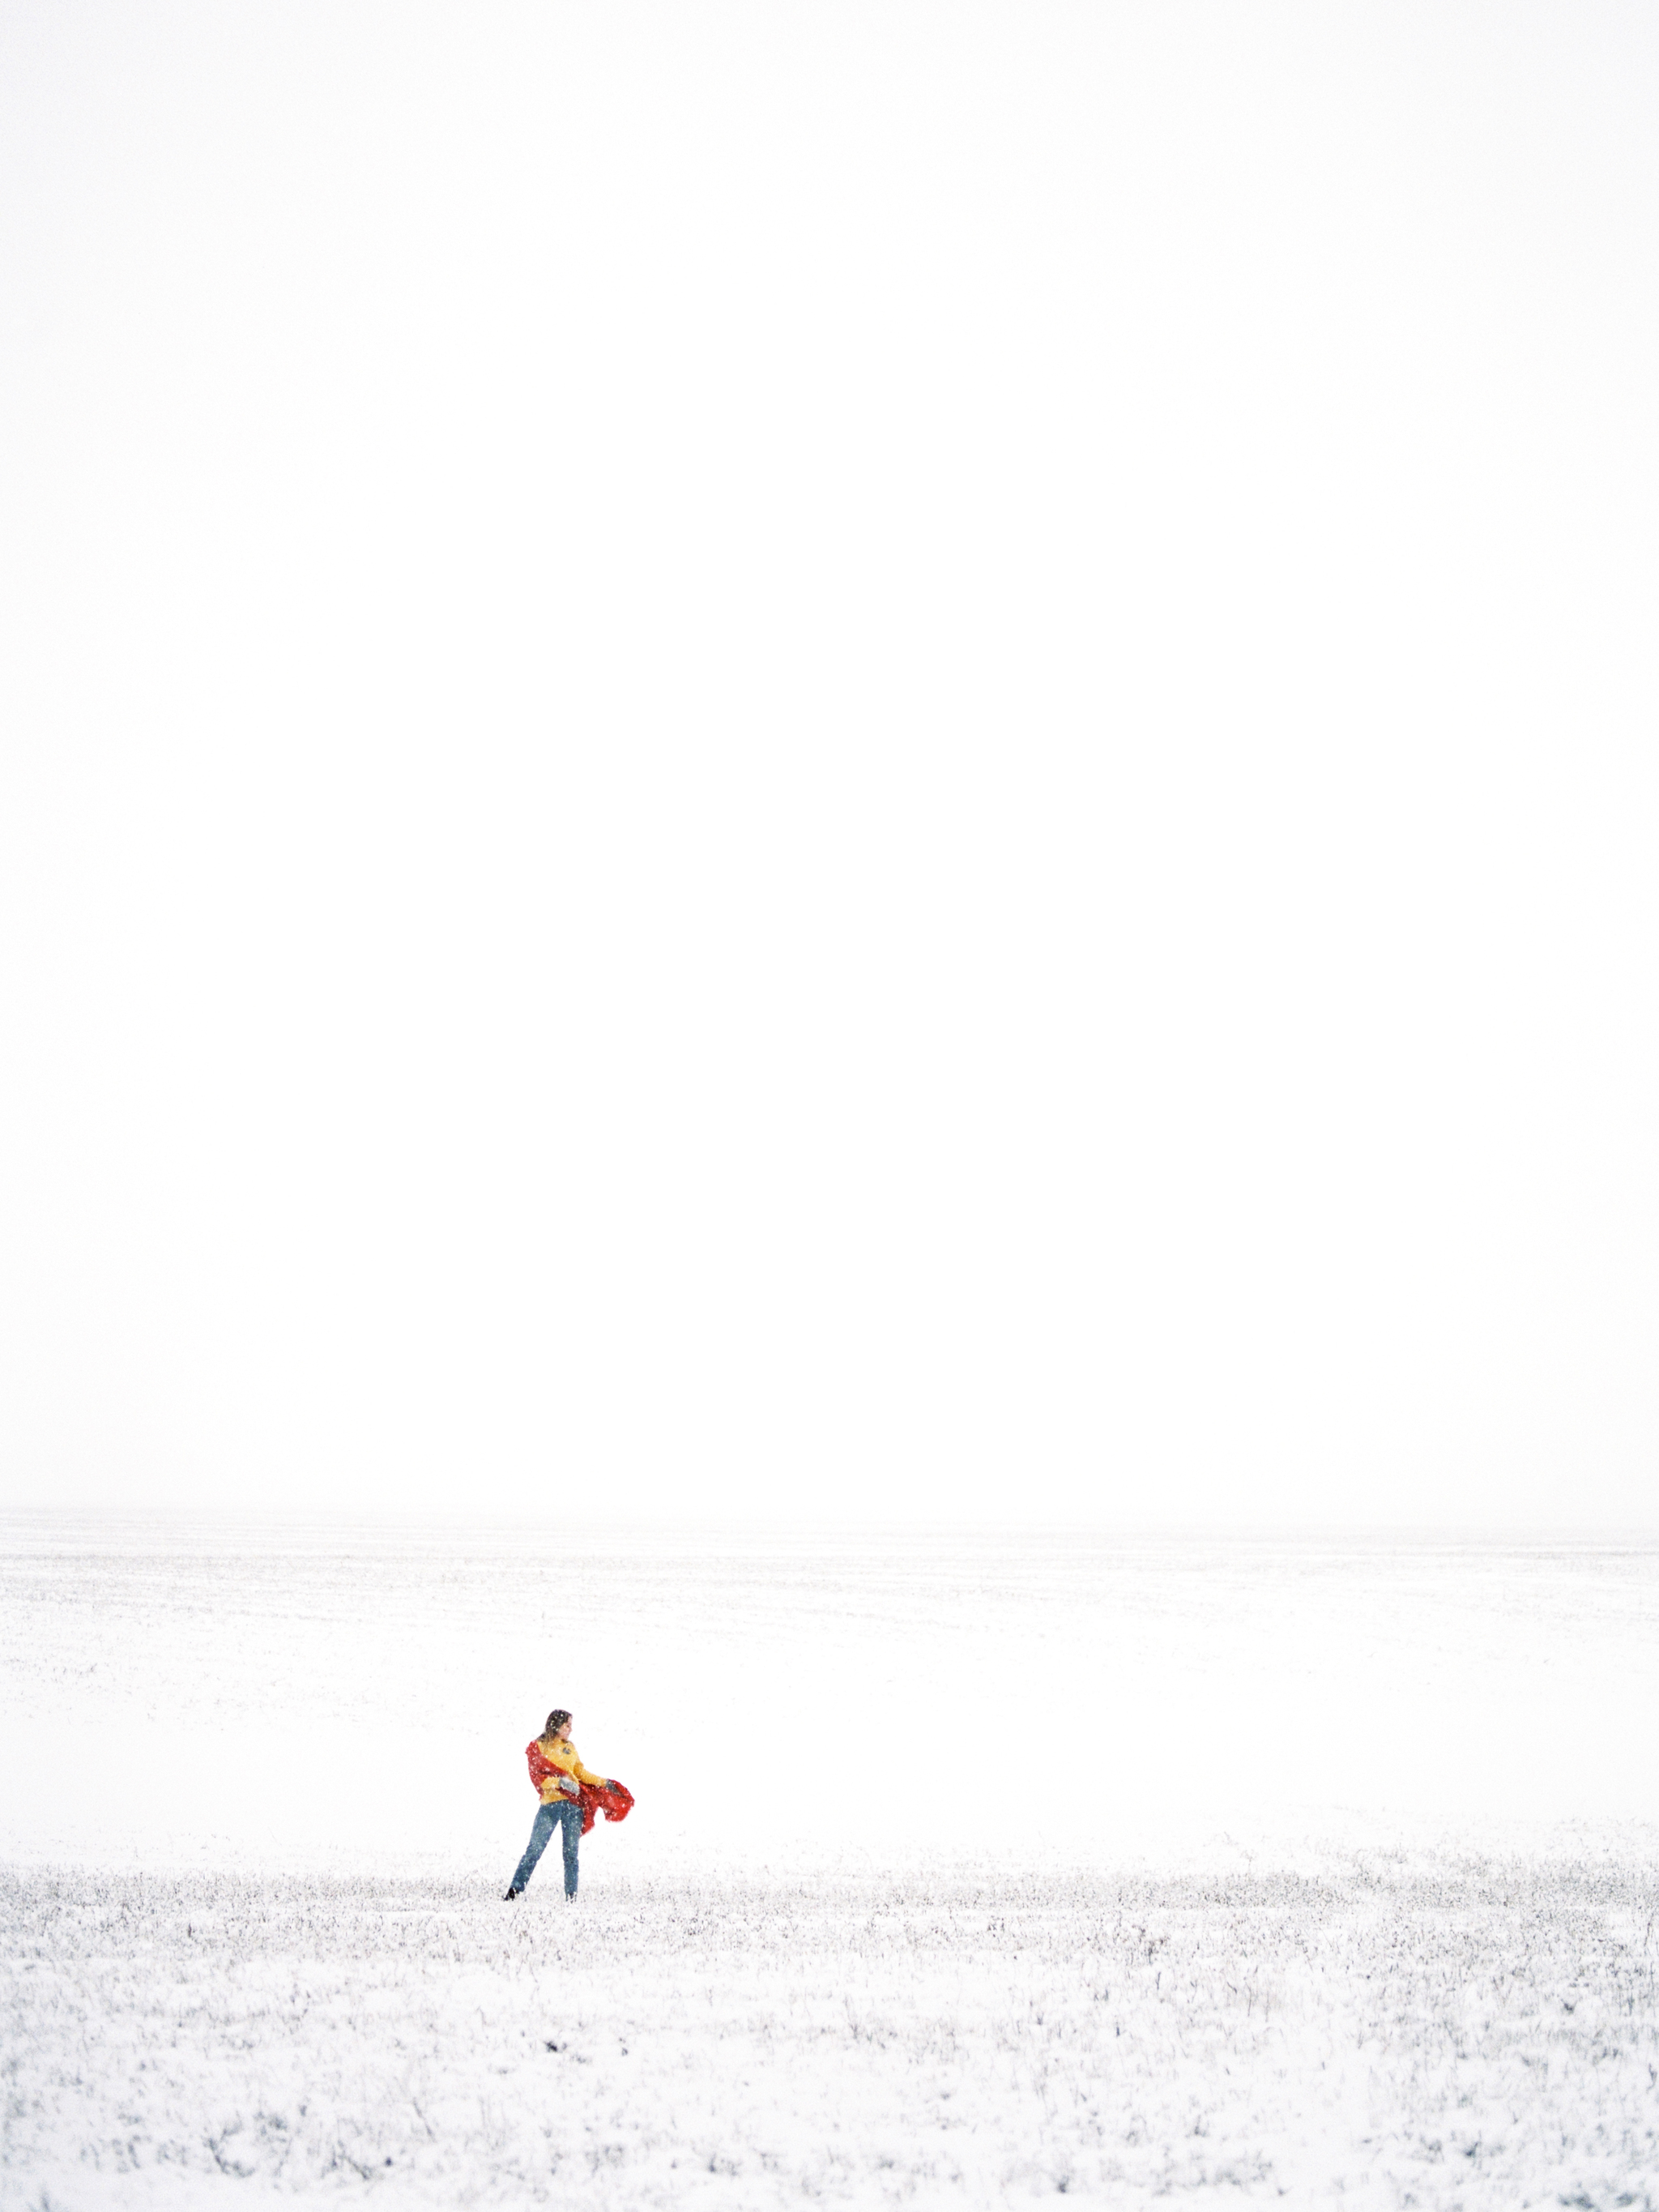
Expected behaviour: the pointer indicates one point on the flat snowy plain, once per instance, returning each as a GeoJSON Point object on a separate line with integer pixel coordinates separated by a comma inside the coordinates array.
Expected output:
{"type": "Point", "coordinates": [961, 1871]}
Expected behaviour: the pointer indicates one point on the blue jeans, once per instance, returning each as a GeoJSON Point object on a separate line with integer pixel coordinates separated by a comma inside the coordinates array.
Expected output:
{"type": "Point", "coordinates": [565, 1813]}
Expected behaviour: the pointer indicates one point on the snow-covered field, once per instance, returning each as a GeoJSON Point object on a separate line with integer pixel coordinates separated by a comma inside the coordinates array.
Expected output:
{"type": "Point", "coordinates": [962, 1868]}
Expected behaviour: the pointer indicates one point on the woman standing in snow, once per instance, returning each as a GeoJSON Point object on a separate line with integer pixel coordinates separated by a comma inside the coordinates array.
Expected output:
{"type": "Point", "coordinates": [557, 1773]}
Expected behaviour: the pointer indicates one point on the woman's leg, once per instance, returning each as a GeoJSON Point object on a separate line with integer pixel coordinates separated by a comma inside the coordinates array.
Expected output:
{"type": "Point", "coordinates": [541, 1828]}
{"type": "Point", "coordinates": [571, 1814]}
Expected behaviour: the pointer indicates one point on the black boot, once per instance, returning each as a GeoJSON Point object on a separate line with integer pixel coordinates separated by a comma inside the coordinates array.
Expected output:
{"type": "Point", "coordinates": [514, 1892]}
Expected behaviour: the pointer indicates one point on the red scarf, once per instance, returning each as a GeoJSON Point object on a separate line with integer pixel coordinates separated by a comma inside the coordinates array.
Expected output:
{"type": "Point", "coordinates": [613, 1800]}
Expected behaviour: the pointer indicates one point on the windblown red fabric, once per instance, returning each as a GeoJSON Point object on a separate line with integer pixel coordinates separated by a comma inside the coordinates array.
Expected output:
{"type": "Point", "coordinates": [613, 1800]}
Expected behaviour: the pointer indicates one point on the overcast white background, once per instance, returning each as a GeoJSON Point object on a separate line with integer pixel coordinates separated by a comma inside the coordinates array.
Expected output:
{"type": "Point", "coordinates": [810, 760]}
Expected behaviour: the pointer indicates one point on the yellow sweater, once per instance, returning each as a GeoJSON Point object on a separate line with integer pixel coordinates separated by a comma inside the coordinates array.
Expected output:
{"type": "Point", "coordinates": [559, 1760]}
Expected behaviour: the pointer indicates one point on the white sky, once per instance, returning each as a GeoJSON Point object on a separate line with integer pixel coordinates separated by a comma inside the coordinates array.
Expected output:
{"type": "Point", "coordinates": [831, 759]}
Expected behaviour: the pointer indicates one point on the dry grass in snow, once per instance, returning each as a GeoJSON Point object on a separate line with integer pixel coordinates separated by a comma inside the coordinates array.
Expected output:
{"type": "Point", "coordinates": [1384, 2032]}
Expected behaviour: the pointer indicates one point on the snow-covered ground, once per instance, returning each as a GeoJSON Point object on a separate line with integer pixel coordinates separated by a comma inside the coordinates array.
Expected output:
{"type": "Point", "coordinates": [961, 1868]}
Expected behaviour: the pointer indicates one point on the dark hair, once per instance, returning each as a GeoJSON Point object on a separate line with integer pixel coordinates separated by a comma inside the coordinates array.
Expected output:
{"type": "Point", "coordinates": [557, 1719]}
